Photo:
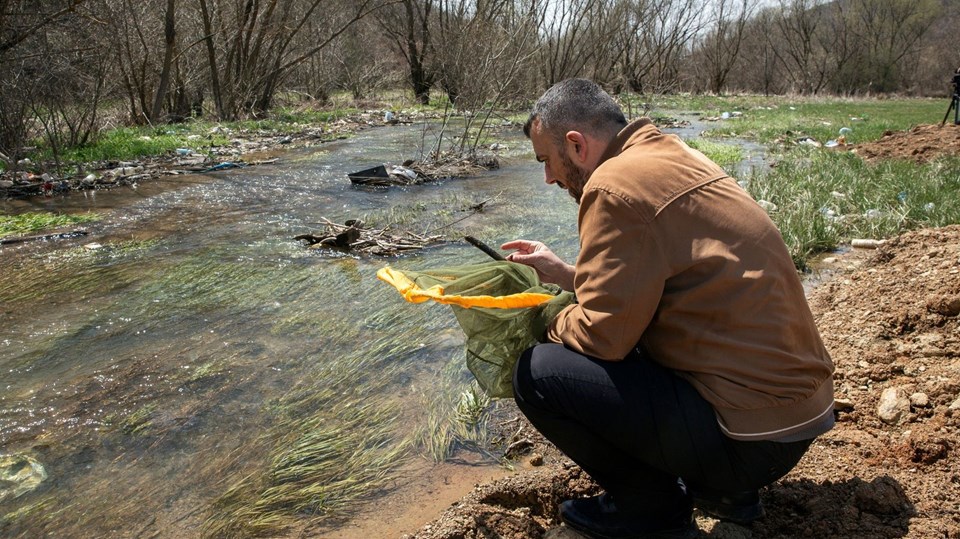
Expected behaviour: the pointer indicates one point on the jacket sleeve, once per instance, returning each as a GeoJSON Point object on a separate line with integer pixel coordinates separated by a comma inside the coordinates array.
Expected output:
{"type": "Point", "coordinates": [620, 276]}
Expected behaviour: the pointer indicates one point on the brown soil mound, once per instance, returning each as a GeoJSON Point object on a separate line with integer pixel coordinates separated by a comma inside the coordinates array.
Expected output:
{"type": "Point", "coordinates": [921, 144]}
{"type": "Point", "coordinates": [890, 468]}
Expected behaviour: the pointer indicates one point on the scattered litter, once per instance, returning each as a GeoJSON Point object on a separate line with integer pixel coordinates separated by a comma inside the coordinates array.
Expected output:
{"type": "Point", "coordinates": [408, 173]}
{"type": "Point", "coordinates": [808, 141]}
{"type": "Point", "coordinates": [831, 144]}
{"type": "Point", "coordinates": [845, 131]}
{"type": "Point", "coordinates": [767, 205]}
{"type": "Point", "coordinates": [929, 207]}
{"type": "Point", "coordinates": [866, 243]}
{"type": "Point", "coordinates": [224, 166]}
{"type": "Point", "coordinates": [92, 246]}
{"type": "Point", "coordinates": [873, 213]}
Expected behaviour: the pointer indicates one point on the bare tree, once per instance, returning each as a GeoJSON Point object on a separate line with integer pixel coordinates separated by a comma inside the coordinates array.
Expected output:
{"type": "Point", "coordinates": [483, 49]}
{"type": "Point", "coordinates": [20, 21]}
{"type": "Point", "coordinates": [264, 42]}
{"type": "Point", "coordinates": [664, 31]}
{"type": "Point", "coordinates": [564, 32]}
{"type": "Point", "coordinates": [886, 32]}
{"type": "Point", "coordinates": [170, 42]}
{"type": "Point", "coordinates": [762, 71]}
{"type": "Point", "coordinates": [409, 25]}
{"type": "Point", "coordinates": [721, 48]}
{"type": "Point", "coordinates": [29, 45]}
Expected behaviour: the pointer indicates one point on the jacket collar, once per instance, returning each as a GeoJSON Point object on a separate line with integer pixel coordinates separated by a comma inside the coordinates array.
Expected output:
{"type": "Point", "coordinates": [626, 135]}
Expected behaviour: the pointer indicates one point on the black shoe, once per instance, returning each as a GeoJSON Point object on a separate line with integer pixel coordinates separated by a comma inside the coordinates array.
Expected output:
{"type": "Point", "coordinates": [599, 518]}
{"type": "Point", "coordinates": [739, 508]}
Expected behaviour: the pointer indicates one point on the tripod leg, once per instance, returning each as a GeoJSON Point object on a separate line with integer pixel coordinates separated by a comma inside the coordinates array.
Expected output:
{"type": "Point", "coordinates": [953, 102]}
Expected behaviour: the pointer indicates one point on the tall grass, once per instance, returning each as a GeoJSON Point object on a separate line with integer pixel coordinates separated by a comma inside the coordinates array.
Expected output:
{"type": "Point", "coordinates": [824, 199]}
{"type": "Point", "coordinates": [725, 155]}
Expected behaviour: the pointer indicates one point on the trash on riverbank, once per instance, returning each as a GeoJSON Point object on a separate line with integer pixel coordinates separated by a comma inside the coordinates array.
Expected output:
{"type": "Point", "coordinates": [381, 176]}
{"type": "Point", "coordinates": [109, 174]}
{"type": "Point", "coordinates": [413, 172]}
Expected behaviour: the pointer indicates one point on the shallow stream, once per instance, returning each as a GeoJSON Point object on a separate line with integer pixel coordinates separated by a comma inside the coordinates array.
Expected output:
{"type": "Point", "coordinates": [166, 380]}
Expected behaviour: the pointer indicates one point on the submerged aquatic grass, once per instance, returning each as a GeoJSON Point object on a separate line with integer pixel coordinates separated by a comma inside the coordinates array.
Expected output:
{"type": "Point", "coordinates": [457, 415]}
{"type": "Point", "coordinates": [824, 199]}
{"type": "Point", "coordinates": [337, 438]}
{"type": "Point", "coordinates": [36, 221]}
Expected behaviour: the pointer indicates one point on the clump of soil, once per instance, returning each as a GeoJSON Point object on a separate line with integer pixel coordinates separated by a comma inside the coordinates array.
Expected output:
{"type": "Point", "coordinates": [921, 144]}
{"type": "Point", "coordinates": [890, 467]}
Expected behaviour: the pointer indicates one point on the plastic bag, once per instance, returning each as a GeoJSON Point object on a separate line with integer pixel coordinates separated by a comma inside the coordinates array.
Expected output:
{"type": "Point", "coordinates": [501, 307]}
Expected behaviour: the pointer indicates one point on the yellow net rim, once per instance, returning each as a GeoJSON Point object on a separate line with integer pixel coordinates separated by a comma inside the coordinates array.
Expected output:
{"type": "Point", "coordinates": [415, 294]}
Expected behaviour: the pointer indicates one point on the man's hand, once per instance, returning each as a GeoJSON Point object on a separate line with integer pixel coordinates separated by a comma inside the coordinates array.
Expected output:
{"type": "Point", "coordinates": [549, 267]}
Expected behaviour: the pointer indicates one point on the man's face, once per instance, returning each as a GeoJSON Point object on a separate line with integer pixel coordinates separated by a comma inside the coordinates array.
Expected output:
{"type": "Point", "coordinates": [558, 167]}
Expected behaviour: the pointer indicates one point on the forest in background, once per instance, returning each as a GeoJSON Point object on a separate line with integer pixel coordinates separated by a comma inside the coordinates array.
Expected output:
{"type": "Point", "coordinates": [74, 68]}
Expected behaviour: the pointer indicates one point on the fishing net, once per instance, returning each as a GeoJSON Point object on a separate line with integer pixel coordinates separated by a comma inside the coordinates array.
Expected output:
{"type": "Point", "coordinates": [501, 306]}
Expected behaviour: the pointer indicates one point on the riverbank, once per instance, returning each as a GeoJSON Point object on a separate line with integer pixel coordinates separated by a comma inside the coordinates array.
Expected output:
{"type": "Point", "coordinates": [213, 149]}
{"type": "Point", "coordinates": [888, 469]}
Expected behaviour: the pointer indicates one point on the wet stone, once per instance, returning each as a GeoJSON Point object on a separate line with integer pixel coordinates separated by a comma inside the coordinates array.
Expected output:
{"type": "Point", "coordinates": [19, 474]}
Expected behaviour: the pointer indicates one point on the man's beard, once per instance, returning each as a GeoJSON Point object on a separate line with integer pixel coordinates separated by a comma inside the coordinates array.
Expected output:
{"type": "Point", "coordinates": [574, 177]}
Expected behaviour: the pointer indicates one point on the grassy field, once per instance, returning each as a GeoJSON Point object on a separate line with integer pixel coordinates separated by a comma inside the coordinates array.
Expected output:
{"type": "Point", "coordinates": [822, 199]}
{"type": "Point", "coordinates": [777, 118]}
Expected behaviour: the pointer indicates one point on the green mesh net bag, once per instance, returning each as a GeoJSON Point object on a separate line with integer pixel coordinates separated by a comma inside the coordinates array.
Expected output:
{"type": "Point", "coordinates": [501, 306]}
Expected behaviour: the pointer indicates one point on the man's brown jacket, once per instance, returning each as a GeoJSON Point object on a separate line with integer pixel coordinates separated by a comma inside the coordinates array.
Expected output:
{"type": "Point", "coordinates": [678, 260]}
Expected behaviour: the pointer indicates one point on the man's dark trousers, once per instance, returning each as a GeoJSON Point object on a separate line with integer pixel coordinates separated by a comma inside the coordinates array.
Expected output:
{"type": "Point", "coordinates": [637, 429]}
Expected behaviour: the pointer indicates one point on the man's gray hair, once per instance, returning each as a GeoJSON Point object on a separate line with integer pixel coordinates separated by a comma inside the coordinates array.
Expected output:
{"type": "Point", "coordinates": [576, 105]}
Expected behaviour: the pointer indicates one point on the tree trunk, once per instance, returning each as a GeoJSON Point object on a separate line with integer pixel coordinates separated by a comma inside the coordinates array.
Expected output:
{"type": "Point", "coordinates": [212, 60]}
{"type": "Point", "coordinates": [170, 37]}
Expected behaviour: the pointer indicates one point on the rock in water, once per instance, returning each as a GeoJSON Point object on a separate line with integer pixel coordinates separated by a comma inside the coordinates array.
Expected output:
{"type": "Point", "coordinates": [19, 474]}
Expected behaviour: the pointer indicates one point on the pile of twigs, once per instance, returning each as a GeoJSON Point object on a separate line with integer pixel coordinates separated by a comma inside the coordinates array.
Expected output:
{"type": "Point", "coordinates": [353, 237]}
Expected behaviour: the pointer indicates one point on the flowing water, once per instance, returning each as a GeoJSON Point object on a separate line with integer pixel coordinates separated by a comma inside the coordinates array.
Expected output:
{"type": "Point", "coordinates": [184, 377]}
{"type": "Point", "coordinates": [200, 342]}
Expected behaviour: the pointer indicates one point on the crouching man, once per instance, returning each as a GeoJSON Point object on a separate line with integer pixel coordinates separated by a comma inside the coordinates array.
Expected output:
{"type": "Point", "coordinates": [690, 372]}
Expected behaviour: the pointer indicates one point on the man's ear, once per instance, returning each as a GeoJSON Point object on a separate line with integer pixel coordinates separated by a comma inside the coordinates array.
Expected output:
{"type": "Point", "coordinates": [576, 146]}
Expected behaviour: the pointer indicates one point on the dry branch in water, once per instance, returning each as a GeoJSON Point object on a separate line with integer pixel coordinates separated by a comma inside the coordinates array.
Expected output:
{"type": "Point", "coordinates": [353, 237]}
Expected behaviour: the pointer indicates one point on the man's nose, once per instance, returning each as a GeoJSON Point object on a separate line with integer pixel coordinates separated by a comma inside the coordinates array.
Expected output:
{"type": "Point", "coordinates": [548, 175]}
